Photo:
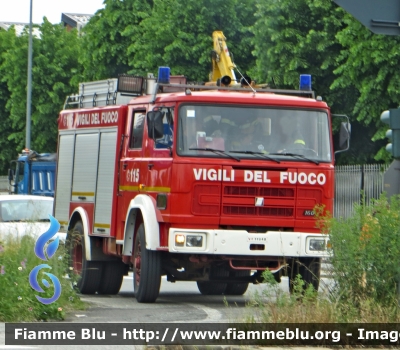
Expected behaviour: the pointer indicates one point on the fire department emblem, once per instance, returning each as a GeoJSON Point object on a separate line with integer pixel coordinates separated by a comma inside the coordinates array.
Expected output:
{"type": "Point", "coordinates": [259, 202]}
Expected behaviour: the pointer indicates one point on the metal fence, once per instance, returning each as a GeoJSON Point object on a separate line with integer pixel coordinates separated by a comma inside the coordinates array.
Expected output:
{"type": "Point", "coordinates": [354, 181]}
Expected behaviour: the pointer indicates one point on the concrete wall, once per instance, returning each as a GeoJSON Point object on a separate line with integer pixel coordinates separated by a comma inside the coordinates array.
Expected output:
{"type": "Point", "coordinates": [3, 184]}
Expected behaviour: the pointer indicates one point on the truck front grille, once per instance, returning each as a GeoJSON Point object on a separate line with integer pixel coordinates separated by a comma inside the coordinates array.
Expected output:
{"type": "Point", "coordinates": [237, 210]}
{"type": "Point", "coordinates": [239, 200]}
{"type": "Point", "coordinates": [259, 191]}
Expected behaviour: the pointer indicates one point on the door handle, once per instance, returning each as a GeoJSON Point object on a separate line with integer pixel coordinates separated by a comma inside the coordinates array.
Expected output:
{"type": "Point", "coordinates": [124, 165]}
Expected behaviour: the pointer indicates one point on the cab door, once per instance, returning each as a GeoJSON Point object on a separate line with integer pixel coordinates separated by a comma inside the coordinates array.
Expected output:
{"type": "Point", "coordinates": [131, 164]}
{"type": "Point", "coordinates": [157, 162]}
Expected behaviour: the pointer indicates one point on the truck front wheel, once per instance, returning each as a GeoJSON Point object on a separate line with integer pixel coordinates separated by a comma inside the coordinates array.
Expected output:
{"type": "Point", "coordinates": [308, 268]}
{"type": "Point", "coordinates": [88, 272]}
{"type": "Point", "coordinates": [146, 270]}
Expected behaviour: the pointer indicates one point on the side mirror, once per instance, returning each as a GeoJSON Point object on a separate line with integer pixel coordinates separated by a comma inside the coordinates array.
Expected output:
{"type": "Point", "coordinates": [155, 124]}
{"type": "Point", "coordinates": [344, 133]}
{"type": "Point", "coordinates": [344, 136]}
{"type": "Point", "coordinates": [10, 174]}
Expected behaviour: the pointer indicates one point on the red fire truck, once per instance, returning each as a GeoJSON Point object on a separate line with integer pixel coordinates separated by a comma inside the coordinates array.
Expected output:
{"type": "Point", "coordinates": [210, 183]}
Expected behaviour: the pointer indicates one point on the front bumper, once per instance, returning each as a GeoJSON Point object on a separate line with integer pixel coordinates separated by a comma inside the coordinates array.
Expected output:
{"type": "Point", "coordinates": [241, 242]}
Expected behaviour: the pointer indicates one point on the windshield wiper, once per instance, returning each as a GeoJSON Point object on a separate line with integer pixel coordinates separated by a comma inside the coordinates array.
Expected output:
{"type": "Point", "coordinates": [296, 155]}
{"type": "Point", "coordinates": [217, 151]}
{"type": "Point", "coordinates": [260, 154]}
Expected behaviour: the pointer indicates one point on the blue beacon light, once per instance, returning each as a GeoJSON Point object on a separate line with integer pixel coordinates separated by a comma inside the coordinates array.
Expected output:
{"type": "Point", "coordinates": [163, 75]}
{"type": "Point", "coordinates": [305, 82]}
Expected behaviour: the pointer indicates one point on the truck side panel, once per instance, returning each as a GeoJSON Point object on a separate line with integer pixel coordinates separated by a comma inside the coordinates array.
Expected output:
{"type": "Point", "coordinates": [64, 178]}
{"type": "Point", "coordinates": [105, 183]}
{"type": "Point", "coordinates": [85, 167]}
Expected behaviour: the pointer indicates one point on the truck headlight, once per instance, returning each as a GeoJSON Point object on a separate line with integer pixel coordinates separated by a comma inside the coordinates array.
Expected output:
{"type": "Point", "coordinates": [190, 240]}
{"type": "Point", "coordinates": [317, 244]}
{"type": "Point", "coordinates": [194, 241]}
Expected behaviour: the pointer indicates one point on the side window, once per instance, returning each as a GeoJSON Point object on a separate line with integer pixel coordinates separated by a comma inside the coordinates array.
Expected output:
{"type": "Point", "coordinates": [137, 130]}
{"type": "Point", "coordinates": [166, 140]}
{"type": "Point", "coordinates": [20, 170]}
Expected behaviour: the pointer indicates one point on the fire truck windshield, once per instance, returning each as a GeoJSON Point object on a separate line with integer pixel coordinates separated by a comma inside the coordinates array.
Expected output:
{"type": "Point", "coordinates": [248, 132]}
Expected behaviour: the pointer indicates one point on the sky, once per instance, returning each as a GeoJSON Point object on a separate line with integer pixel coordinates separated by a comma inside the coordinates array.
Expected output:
{"type": "Point", "coordinates": [18, 10]}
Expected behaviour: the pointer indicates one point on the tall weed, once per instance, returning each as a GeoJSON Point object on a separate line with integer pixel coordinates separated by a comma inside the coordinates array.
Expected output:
{"type": "Point", "coordinates": [365, 258]}
{"type": "Point", "coordinates": [275, 305]}
{"type": "Point", "coordinates": [365, 270]}
{"type": "Point", "coordinates": [366, 252]}
{"type": "Point", "coordinates": [18, 302]}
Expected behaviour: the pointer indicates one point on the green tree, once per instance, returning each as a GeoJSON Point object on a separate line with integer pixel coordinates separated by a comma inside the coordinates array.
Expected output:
{"type": "Point", "coordinates": [178, 34]}
{"type": "Point", "coordinates": [370, 63]}
{"type": "Point", "coordinates": [293, 38]}
{"type": "Point", "coordinates": [109, 34]}
{"type": "Point", "coordinates": [299, 37]}
{"type": "Point", "coordinates": [7, 146]}
{"type": "Point", "coordinates": [55, 62]}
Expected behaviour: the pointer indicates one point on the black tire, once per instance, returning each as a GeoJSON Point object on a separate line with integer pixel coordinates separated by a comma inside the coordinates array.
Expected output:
{"type": "Point", "coordinates": [214, 288]}
{"type": "Point", "coordinates": [308, 268]}
{"type": "Point", "coordinates": [113, 274]}
{"type": "Point", "coordinates": [89, 272]}
{"type": "Point", "coordinates": [146, 270]}
{"type": "Point", "coordinates": [237, 288]}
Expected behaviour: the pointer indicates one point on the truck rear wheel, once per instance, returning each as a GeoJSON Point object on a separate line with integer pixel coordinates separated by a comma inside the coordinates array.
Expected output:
{"type": "Point", "coordinates": [211, 287]}
{"type": "Point", "coordinates": [308, 268]}
{"type": "Point", "coordinates": [89, 272]}
{"type": "Point", "coordinates": [146, 270]}
{"type": "Point", "coordinates": [113, 274]}
{"type": "Point", "coordinates": [237, 288]}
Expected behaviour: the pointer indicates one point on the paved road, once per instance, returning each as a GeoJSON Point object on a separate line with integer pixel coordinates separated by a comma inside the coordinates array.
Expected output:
{"type": "Point", "coordinates": [178, 302]}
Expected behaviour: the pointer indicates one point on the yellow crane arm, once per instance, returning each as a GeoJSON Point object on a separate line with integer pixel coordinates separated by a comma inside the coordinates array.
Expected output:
{"type": "Point", "coordinates": [222, 64]}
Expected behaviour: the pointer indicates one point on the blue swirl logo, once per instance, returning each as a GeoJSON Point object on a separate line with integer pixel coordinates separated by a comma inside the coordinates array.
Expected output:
{"type": "Point", "coordinates": [41, 250]}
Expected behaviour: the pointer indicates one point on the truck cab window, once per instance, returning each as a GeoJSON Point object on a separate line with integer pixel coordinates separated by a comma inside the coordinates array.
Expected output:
{"type": "Point", "coordinates": [137, 130]}
{"type": "Point", "coordinates": [167, 139]}
{"type": "Point", "coordinates": [20, 171]}
{"type": "Point", "coordinates": [250, 131]}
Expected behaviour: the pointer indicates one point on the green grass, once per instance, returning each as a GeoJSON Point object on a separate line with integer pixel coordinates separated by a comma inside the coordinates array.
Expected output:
{"type": "Point", "coordinates": [18, 302]}
{"type": "Point", "coordinates": [365, 258]}
{"type": "Point", "coordinates": [275, 305]}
